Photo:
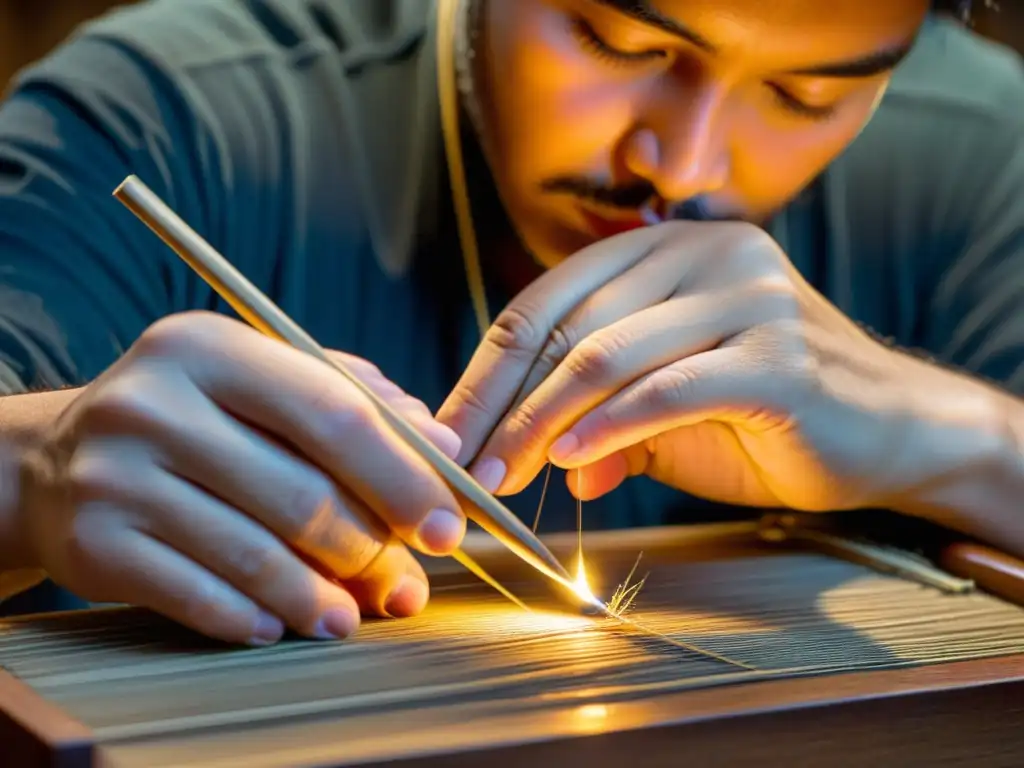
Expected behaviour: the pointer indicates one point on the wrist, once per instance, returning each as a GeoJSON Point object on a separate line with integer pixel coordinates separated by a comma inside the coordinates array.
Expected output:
{"type": "Point", "coordinates": [973, 446]}
{"type": "Point", "coordinates": [25, 422]}
{"type": "Point", "coordinates": [15, 550]}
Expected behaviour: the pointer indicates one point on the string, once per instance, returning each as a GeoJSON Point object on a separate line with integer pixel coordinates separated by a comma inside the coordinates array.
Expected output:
{"type": "Point", "coordinates": [579, 519]}
{"type": "Point", "coordinates": [543, 496]}
{"type": "Point", "coordinates": [448, 94]}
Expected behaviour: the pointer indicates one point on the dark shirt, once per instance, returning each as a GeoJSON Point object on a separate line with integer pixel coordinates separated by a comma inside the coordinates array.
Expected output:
{"type": "Point", "coordinates": [301, 137]}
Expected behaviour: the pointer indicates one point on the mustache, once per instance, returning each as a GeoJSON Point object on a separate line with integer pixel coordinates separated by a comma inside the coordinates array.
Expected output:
{"type": "Point", "coordinates": [632, 197]}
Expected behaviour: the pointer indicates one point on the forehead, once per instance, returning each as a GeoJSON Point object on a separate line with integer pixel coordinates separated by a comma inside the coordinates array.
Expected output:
{"type": "Point", "coordinates": [787, 32]}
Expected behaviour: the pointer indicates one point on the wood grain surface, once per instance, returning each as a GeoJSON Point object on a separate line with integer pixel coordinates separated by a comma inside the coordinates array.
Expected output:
{"type": "Point", "coordinates": [853, 668]}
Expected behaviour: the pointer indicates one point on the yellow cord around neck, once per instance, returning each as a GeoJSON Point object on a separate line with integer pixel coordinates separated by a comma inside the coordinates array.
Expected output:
{"type": "Point", "coordinates": [448, 93]}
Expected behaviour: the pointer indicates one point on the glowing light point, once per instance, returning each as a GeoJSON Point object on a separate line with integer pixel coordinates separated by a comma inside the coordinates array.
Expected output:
{"type": "Point", "coordinates": [582, 588]}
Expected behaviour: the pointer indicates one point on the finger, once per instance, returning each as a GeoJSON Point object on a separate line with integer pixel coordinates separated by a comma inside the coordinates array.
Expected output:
{"type": "Point", "coordinates": [415, 411]}
{"type": "Point", "coordinates": [303, 403]}
{"type": "Point", "coordinates": [394, 585]}
{"type": "Point", "coordinates": [594, 371]}
{"type": "Point", "coordinates": [718, 384]}
{"type": "Point", "coordinates": [243, 553]}
{"type": "Point", "coordinates": [501, 363]}
{"type": "Point", "coordinates": [646, 284]}
{"type": "Point", "coordinates": [613, 357]}
{"type": "Point", "coordinates": [276, 487]}
{"type": "Point", "coordinates": [305, 590]}
{"type": "Point", "coordinates": [122, 565]}
{"type": "Point", "coordinates": [292, 499]}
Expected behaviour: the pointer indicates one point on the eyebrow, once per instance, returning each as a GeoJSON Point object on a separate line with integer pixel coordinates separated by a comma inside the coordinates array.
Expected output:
{"type": "Point", "coordinates": [869, 65]}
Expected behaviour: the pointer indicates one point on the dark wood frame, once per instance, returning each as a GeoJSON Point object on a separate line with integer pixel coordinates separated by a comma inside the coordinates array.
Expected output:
{"type": "Point", "coordinates": [33, 732]}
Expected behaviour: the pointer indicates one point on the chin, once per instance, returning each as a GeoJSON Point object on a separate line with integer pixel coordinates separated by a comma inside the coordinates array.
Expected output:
{"type": "Point", "coordinates": [551, 243]}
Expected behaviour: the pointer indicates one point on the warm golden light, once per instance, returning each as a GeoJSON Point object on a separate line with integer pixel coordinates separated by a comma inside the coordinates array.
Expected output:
{"type": "Point", "coordinates": [592, 712]}
{"type": "Point", "coordinates": [590, 718]}
{"type": "Point", "coordinates": [582, 586]}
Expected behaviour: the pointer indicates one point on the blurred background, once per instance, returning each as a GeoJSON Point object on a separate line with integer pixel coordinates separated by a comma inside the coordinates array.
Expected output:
{"type": "Point", "coordinates": [30, 28]}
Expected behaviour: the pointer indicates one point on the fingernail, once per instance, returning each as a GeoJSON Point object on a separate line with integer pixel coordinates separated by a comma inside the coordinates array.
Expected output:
{"type": "Point", "coordinates": [441, 532]}
{"type": "Point", "coordinates": [269, 629]}
{"type": "Point", "coordinates": [489, 473]}
{"type": "Point", "coordinates": [407, 599]}
{"type": "Point", "coordinates": [564, 447]}
{"type": "Point", "coordinates": [336, 624]}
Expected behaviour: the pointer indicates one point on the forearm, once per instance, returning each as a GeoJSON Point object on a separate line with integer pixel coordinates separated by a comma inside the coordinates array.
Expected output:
{"type": "Point", "coordinates": [24, 419]}
{"type": "Point", "coordinates": [981, 493]}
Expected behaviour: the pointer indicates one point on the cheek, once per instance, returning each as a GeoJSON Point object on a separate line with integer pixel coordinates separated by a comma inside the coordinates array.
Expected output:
{"type": "Point", "coordinates": [561, 112]}
{"type": "Point", "coordinates": [773, 160]}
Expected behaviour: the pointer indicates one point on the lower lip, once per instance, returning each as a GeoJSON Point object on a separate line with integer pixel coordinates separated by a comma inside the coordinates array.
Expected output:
{"type": "Point", "coordinates": [604, 228]}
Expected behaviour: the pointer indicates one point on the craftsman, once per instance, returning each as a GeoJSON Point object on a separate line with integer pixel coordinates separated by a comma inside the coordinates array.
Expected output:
{"type": "Point", "coordinates": [709, 232]}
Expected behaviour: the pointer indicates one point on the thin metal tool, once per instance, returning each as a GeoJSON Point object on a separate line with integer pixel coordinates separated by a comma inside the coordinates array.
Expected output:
{"type": "Point", "coordinates": [257, 309]}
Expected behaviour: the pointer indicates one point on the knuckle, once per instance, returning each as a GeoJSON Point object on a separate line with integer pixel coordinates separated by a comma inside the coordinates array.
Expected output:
{"type": "Point", "coordinates": [85, 548]}
{"type": "Point", "coordinates": [749, 236]}
{"type": "Point", "coordinates": [524, 423]}
{"type": "Point", "coordinates": [669, 389]}
{"type": "Point", "coordinates": [253, 562]}
{"type": "Point", "coordinates": [178, 334]}
{"type": "Point", "coordinates": [309, 511]}
{"type": "Point", "coordinates": [316, 524]}
{"type": "Point", "coordinates": [515, 331]}
{"type": "Point", "coordinates": [90, 478]}
{"type": "Point", "coordinates": [124, 403]}
{"type": "Point", "coordinates": [347, 550]}
{"type": "Point", "coordinates": [340, 418]}
{"type": "Point", "coordinates": [594, 359]}
{"type": "Point", "coordinates": [560, 343]}
{"type": "Point", "coordinates": [748, 249]}
{"type": "Point", "coordinates": [360, 554]}
{"type": "Point", "coordinates": [467, 399]}
{"type": "Point", "coordinates": [771, 297]}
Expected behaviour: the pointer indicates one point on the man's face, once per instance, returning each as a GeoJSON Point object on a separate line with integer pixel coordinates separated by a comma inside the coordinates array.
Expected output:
{"type": "Point", "coordinates": [597, 109]}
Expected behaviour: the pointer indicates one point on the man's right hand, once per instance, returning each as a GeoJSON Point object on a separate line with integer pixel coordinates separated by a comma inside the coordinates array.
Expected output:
{"type": "Point", "coordinates": [238, 486]}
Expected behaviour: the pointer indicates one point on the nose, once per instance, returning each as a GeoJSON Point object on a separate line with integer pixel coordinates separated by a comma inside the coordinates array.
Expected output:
{"type": "Point", "coordinates": [680, 143]}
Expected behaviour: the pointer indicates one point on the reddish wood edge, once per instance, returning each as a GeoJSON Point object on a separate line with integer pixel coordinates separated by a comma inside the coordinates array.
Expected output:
{"type": "Point", "coordinates": [993, 571]}
{"type": "Point", "coordinates": [34, 732]}
{"type": "Point", "coordinates": [831, 720]}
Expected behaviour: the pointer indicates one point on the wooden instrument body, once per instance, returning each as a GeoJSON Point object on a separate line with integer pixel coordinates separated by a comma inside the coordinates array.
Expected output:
{"type": "Point", "coordinates": [519, 703]}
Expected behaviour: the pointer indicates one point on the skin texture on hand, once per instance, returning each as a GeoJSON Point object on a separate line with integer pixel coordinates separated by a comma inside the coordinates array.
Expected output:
{"type": "Point", "coordinates": [695, 353]}
{"type": "Point", "coordinates": [239, 487]}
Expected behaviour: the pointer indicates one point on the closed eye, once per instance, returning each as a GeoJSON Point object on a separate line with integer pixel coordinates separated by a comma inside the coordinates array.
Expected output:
{"type": "Point", "coordinates": [597, 46]}
{"type": "Point", "coordinates": [791, 103]}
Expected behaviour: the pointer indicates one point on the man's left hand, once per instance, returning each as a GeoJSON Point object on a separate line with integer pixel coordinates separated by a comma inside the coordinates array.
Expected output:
{"type": "Point", "coordinates": [696, 354]}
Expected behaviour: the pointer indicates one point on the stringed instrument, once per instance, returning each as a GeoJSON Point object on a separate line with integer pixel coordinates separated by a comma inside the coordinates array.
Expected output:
{"type": "Point", "coordinates": [785, 650]}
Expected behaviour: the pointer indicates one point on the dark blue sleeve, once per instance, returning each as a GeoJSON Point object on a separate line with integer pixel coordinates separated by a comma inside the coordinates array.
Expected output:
{"type": "Point", "coordinates": [80, 277]}
{"type": "Point", "coordinates": [975, 315]}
